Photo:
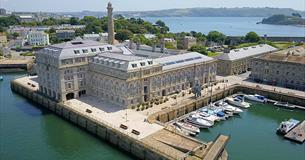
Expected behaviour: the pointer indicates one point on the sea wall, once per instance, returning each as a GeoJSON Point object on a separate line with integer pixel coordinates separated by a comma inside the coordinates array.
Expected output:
{"type": "Point", "coordinates": [105, 132]}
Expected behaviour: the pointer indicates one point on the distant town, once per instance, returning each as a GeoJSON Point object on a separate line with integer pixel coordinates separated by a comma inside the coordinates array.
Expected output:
{"type": "Point", "coordinates": [147, 90]}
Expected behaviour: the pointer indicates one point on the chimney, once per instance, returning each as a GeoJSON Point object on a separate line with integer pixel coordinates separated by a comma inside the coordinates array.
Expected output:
{"type": "Point", "coordinates": [130, 45]}
{"type": "Point", "coordinates": [138, 45]}
{"type": "Point", "coordinates": [154, 47]}
{"type": "Point", "coordinates": [162, 45]}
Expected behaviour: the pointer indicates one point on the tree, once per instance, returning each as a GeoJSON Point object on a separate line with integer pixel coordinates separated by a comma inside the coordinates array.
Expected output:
{"type": "Point", "coordinates": [199, 48]}
{"type": "Point", "coordinates": [74, 21]}
{"type": "Point", "coordinates": [15, 35]}
{"type": "Point", "coordinates": [216, 36]}
{"type": "Point", "coordinates": [296, 15]}
{"type": "Point", "coordinates": [252, 37]}
{"type": "Point", "coordinates": [123, 35]}
{"type": "Point", "coordinates": [160, 23]}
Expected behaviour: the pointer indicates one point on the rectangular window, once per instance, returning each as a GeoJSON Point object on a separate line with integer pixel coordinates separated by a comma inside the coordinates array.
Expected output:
{"type": "Point", "coordinates": [109, 48]}
{"type": "Point", "coordinates": [134, 65]}
{"type": "Point", "coordinates": [142, 63]}
{"type": "Point", "coordinates": [150, 62]}
{"type": "Point", "coordinates": [93, 50]}
{"type": "Point", "coordinates": [102, 49]}
{"type": "Point", "coordinates": [85, 50]}
{"type": "Point", "coordinates": [76, 52]}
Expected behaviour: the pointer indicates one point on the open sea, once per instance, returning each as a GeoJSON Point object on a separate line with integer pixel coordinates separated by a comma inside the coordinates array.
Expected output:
{"type": "Point", "coordinates": [30, 132]}
{"type": "Point", "coordinates": [231, 26]}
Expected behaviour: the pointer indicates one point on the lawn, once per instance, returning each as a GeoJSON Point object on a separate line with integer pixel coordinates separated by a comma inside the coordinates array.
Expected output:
{"type": "Point", "coordinates": [212, 54]}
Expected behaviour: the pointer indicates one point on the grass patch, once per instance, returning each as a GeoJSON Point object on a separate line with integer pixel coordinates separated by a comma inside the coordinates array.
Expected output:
{"type": "Point", "coordinates": [27, 54]}
{"type": "Point", "coordinates": [283, 45]}
{"type": "Point", "coordinates": [246, 45]}
{"type": "Point", "coordinates": [212, 54]}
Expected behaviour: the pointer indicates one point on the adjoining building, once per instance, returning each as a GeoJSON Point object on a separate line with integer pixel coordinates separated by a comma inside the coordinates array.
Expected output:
{"type": "Point", "coordinates": [65, 35]}
{"type": "Point", "coordinates": [94, 37]}
{"type": "Point", "coordinates": [238, 61]}
{"type": "Point", "coordinates": [38, 38]}
{"type": "Point", "coordinates": [188, 42]}
{"type": "Point", "coordinates": [2, 11]}
{"type": "Point", "coordinates": [26, 18]}
{"type": "Point", "coordinates": [283, 68]}
{"type": "Point", "coordinates": [3, 39]}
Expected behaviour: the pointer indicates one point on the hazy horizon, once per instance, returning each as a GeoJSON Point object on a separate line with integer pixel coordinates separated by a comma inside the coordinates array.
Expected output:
{"type": "Point", "coordinates": [141, 5]}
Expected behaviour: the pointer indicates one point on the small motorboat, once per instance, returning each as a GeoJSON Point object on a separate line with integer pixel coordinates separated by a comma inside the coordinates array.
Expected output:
{"type": "Point", "coordinates": [256, 98]}
{"type": "Point", "coordinates": [188, 127]}
{"type": "Point", "coordinates": [185, 132]}
{"type": "Point", "coordinates": [238, 101]}
{"type": "Point", "coordinates": [199, 122]}
{"type": "Point", "coordinates": [205, 116]}
{"type": "Point", "coordinates": [210, 111]}
{"type": "Point", "coordinates": [286, 126]}
{"type": "Point", "coordinates": [227, 108]}
{"type": "Point", "coordinates": [284, 104]}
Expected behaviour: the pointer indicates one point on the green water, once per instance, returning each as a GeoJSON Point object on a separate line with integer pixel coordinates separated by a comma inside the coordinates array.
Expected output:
{"type": "Point", "coordinates": [28, 132]}
{"type": "Point", "coordinates": [253, 134]}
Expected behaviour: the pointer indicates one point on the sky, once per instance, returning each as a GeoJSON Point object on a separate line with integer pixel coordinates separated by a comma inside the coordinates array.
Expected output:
{"type": "Point", "coordinates": [140, 5]}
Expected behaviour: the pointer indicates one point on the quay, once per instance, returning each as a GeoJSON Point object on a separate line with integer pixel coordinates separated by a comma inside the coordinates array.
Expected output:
{"type": "Point", "coordinates": [297, 134]}
{"type": "Point", "coordinates": [143, 140]}
{"type": "Point", "coordinates": [16, 64]}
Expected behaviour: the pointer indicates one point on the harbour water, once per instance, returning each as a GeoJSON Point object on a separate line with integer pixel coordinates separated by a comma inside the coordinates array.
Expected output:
{"type": "Point", "coordinates": [30, 132]}
{"type": "Point", "coordinates": [231, 26]}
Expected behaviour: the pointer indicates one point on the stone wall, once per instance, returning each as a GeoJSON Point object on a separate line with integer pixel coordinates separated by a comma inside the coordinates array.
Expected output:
{"type": "Point", "coordinates": [118, 139]}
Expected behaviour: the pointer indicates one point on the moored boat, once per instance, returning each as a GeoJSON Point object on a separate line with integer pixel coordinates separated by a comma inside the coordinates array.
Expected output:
{"type": "Point", "coordinates": [187, 127]}
{"type": "Point", "coordinates": [237, 101]}
{"type": "Point", "coordinates": [286, 126]}
{"type": "Point", "coordinates": [199, 122]}
{"type": "Point", "coordinates": [284, 104]}
{"type": "Point", "coordinates": [226, 107]}
{"type": "Point", "coordinates": [256, 98]}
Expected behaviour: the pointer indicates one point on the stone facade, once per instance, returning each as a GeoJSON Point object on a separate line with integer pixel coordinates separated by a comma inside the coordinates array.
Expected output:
{"type": "Point", "coordinates": [65, 34]}
{"type": "Point", "coordinates": [188, 42]}
{"type": "Point", "coordinates": [38, 38]}
{"type": "Point", "coordinates": [285, 70]}
{"type": "Point", "coordinates": [238, 61]}
{"type": "Point", "coordinates": [117, 74]}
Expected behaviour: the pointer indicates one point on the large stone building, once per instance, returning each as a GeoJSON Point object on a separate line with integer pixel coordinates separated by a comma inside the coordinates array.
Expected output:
{"type": "Point", "coordinates": [118, 74]}
{"type": "Point", "coordinates": [66, 34]}
{"type": "Point", "coordinates": [38, 38]}
{"type": "Point", "coordinates": [284, 68]}
{"type": "Point", "coordinates": [239, 60]}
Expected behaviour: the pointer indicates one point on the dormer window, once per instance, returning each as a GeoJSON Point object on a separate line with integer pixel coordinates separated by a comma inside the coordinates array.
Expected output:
{"type": "Point", "coordinates": [102, 49]}
{"type": "Point", "coordinates": [142, 63]}
{"type": "Point", "coordinates": [150, 62]}
{"type": "Point", "coordinates": [85, 50]}
{"type": "Point", "coordinates": [93, 50]}
{"type": "Point", "coordinates": [76, 52]}
{"type": "Point", "coordinates": [109, 48]}
{"type": "Point", "coordinates": [134, 65]}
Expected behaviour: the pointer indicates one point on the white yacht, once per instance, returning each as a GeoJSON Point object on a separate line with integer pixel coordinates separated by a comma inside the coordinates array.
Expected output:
{"type": "Point", "coordinates": [286, 126]}
{"type": "Point", "coordinates": [206, 116]}
{"type": "Point", "coordinates": [184, 131]}
{"type": "Point", "coordinates": [256, 98]}
{"type": "Point", "coordinates": [199, 122]}
{"type": "Point", "coordinates": [188, 127]}
{"type": "Point", "coordinates": [238, 101]}
{"type": "Point", "coordinates": [227, 107]}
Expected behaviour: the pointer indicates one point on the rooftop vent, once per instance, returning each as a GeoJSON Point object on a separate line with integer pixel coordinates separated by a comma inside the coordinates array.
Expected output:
{"type": "Point", "coordinates": [77, 43]}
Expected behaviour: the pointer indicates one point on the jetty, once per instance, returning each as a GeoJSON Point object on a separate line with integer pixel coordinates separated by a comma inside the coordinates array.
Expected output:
{"type": "Point", "coordinates": [297, 134]}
